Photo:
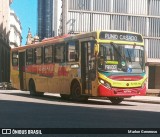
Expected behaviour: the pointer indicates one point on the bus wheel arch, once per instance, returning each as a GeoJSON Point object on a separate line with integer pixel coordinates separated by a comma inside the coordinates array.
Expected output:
{"type": "Point", "coordinates": [76, 91]}
{"type": "Point", "coordinates": [32, 89]}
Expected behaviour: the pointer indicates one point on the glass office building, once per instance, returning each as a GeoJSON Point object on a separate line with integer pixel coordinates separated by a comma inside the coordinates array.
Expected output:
{"type": "Point", "coordinates": [45, 19]}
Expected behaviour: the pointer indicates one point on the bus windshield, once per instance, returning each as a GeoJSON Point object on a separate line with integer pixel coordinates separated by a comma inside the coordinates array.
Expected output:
{"type": "Point", "coordinates": [121, 58]}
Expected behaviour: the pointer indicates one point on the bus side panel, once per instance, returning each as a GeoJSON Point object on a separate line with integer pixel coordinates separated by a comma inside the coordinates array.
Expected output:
{"type": "Point", "coordinates": [95, 87]}
{"type": "Point", "coordinates": [15, 78]}
{"type": "Point", "coordinates": [55, 83]}
{"type": "Point", "coordinates": [68, 75]}
{"type": "Point", "coordinates": [67, 84]}
{"type": "Point", "coordinates": [41, 84]}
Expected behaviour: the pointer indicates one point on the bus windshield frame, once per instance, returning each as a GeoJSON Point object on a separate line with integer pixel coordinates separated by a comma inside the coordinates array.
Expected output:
{"type": "Point", "coordinates": [123, 58]}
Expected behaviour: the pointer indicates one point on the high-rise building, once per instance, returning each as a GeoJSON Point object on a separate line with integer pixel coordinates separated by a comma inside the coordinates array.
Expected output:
{"type": "Point", "coordinates": [45, 19]}
{"type": "Point", "coordinates": [57, 22]}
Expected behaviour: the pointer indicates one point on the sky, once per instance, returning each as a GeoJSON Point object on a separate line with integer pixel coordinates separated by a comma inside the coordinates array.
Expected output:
{"type": "Point", "coordinates": [26, 11]}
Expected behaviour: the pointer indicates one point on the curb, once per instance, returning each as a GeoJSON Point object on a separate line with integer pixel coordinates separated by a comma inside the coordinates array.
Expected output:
{"type": "Point", "coordinates": [143, 101]}
{"type": "Point", "coordinates": [153, 92]}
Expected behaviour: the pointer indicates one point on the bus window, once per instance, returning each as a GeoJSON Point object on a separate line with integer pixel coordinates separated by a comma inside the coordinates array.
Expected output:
{"type": "Point", "coordinates": [59, 53]}
{"type": "Point", "coordinates": [15, 58]}
{"type": "Point", "coordinates": [91, 56]}
{"type": "Point", "coordinates": [48, 52]}
{"type": "Point", "coordinates": [73, 52]}
{"type": "Point", "coordinates": [38, 55]}
{"type": "Point", "coordinates": [29, 56]}
{"type": "Point", "coordinates": [77, 51]}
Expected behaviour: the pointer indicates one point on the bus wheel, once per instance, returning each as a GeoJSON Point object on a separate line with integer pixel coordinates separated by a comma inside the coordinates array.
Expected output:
{"type": "Point", "coordinates": [32, 88]}
{"type": "Point", "coordinates": [76, 93]}
{"type": "Point", "coordinates": [65, 96]}
{"type": "Point", "coordinates": [115, 100]}
{"type": "Point", "coordinates": [39, 93]}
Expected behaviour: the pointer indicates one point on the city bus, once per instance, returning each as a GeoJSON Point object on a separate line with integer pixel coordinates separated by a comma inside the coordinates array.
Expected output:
{"type": "Point", "coordinates": [107, 64]}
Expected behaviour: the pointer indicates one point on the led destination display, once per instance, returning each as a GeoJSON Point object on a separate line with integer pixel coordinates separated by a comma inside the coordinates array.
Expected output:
{"type": "Point", "coordinates": [121, 36]}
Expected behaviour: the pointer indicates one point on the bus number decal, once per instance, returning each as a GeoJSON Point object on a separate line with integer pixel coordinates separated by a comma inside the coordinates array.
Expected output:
{"type": "Point", "coordinates": [110, 67]}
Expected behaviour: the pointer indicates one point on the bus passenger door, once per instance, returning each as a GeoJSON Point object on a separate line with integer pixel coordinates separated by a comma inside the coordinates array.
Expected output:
{"type": "Point", "coordinates": [88, 72]}
{"type": "Point", "coordinates": [22, 70]}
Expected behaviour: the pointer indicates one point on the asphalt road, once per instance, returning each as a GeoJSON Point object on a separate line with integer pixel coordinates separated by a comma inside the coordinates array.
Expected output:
{"type": "Point", "coordinates": [20, 110]}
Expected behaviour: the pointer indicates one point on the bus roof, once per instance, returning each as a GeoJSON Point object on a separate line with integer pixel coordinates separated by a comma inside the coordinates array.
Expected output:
{"type": "Point", "coordinates": [66, 37]}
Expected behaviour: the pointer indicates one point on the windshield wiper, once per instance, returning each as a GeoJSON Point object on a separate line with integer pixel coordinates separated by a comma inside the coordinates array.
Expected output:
{"type": "Point", "coordinates": [115, 48]}
{"type": "Point", "coordinates": [129, 54]}
{"type": "Point", "coordinates": [119, 53]}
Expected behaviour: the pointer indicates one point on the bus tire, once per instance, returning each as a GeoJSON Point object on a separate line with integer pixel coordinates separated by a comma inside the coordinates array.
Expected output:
{"type": "Point", "coordinates": [39, 93]}
{"type": "Point", "coordinates": [76, 92]}
{"type": "Point", "coordinates": [116, 100]}
{"type": "Point", "coordinates": [32, 89]}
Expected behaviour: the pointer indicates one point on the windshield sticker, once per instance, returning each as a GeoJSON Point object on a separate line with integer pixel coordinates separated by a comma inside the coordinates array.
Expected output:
{"type": "Point", "coordinates": [129, 70]}
{"type": "Point", "coordinates": [110, 67]}
{"type": "Point", "coordinates": [123, 63]}
{"type": "Point", "coordinates": [112, 62]}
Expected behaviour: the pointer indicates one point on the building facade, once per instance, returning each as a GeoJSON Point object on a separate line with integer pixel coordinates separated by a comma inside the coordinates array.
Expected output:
{"type": "Point", "coordinates": [4, 40]}
{"type": "Point", "coordinates": [142, 16]}
{"type": "Point", "coordinates": [15, 36]}
{"type": "Point", "coordinates": [57, 14]}
{"type": "Point", "coordinates": [45, 19]}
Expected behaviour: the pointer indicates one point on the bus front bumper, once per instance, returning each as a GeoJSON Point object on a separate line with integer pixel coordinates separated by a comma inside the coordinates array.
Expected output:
{"type": "Point", "coordinates": [120, 92]}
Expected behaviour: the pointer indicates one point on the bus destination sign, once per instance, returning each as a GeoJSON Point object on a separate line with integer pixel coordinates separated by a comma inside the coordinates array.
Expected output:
{"type": "Point", "coordinates": [121, 36]}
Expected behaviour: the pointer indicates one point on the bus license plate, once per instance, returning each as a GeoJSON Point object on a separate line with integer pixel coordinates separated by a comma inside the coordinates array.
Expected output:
{"type": "Point", "coordinates": [127, 91]}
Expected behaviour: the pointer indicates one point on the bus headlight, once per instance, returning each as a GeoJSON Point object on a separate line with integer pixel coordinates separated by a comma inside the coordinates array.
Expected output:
{"type": "Point", "coordinates": [101, 81]}
{"type": "Point", "coordinates": [105, 83]}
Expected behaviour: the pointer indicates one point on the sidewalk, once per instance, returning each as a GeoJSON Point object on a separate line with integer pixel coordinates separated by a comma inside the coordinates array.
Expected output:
{"type": "Point", "coordinates": [144, 99]}
{"type": "Point", "coordinates": [152, 96]}
{"type": "Point", "coordinates": [153, 92]}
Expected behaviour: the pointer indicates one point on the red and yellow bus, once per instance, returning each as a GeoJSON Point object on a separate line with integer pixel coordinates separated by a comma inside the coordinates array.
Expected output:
{"type": "Point", "coordinates": [96, 64]}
